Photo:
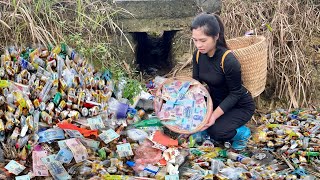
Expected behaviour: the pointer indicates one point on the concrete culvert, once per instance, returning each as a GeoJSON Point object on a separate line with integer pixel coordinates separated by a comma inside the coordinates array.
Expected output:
{"type": "Point", "coordinates": [153, 52]}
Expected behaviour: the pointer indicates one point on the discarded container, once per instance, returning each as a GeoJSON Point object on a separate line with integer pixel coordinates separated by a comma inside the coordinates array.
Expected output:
{"type": "Point", "coordinates": [120, 109]}
{"type": "Point", "coordinates": [216, 166]}
{"type": "Point", "coordinates": [138, 168]}
{"type": "Point", "coordinates": [239, 157]}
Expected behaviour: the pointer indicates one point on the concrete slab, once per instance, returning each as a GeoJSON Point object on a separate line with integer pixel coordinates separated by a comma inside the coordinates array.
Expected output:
{"type": "Point", "coordinates": [161, 15]}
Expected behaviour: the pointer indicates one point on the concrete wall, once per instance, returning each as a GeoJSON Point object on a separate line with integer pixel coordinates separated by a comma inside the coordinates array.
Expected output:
{"type": "Point", "coordinates": [161, 15]}
{"type": "Point", "coordinates": [156, 16]}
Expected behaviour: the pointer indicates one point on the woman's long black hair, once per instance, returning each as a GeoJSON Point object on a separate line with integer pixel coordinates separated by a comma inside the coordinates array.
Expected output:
{"type": "Point", "coordinates": [212, 26]}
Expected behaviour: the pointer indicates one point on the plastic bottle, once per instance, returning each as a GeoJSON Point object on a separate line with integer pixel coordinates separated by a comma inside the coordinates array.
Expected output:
{"type": "Point", "coordinates": [2, 128]}
{"type": "Point", "coordinates": [1, 156]}
{"type": "Point", "coordinates": [239, 157]}
{"type": "Point", "coordinates": [25, 64]}
{"type": "Point", "coordinates": [64, 47]}
{"type": "Point", "coordinates": [13, 52]}
{"type": "Point", "coordinates": [120, 86]}
{"type": "Point", "coordinates": [291, 151]}
{"type": "Point", "coordinates": [83, 170]}
{"type": "Point", "coordinates": [34, 53]}
{"type": "Point", "coordinates": [22, 142]}
{"type": "Point", "coordinates": [72, 54]}
{"type": "Point", "coordinates": [19, 97]}
{"type": "Point", "coordinates": [180, 159]}
{"type": "Point", "coordinates": [6, 55]}
{"type": "Point", "coordinates": [38, 62]}
{"type": "Point", "coordinates": [216, 166]}
{"type": "Point", "coordinates": [292, 116]}
{"type": "Point", "coordinates": [14, 137]}
{"type": "Point", "coordinates": [43, 94]}
{"type": "Point", "coordinates": [36, 118]}
{"type": "Point", "coordinates": [314, 129]}
{"type": "Point", "coordinates": [60, 64]}
{"type": "Point", "coordinates": [57, 49]}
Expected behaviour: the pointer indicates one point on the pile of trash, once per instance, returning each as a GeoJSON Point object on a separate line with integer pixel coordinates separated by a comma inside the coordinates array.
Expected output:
{"type": "Point", "coordinates": [294, 138]}
{"type": "Point", "coordinates": [60, 117]}
{"type": "Point", "coordinates": [285, 146]}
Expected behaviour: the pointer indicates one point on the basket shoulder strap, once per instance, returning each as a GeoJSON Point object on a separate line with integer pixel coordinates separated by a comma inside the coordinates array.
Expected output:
{"type": "Point", "coordinates": [223, 58]}
{"type": "Point", "coordinates": [197, 56]}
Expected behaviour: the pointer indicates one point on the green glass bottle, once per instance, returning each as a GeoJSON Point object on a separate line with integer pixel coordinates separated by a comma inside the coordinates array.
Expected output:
{"type": "Point", "coordinates": [63, 48]}
{"type": "Point", "coordinates": [309, 153]}
{"type": "Point", "coordinates": [223, 153]}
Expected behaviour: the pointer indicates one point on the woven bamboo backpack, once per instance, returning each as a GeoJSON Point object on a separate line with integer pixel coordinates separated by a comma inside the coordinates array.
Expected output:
{"type": "Point", "coordinates": [252, 53]}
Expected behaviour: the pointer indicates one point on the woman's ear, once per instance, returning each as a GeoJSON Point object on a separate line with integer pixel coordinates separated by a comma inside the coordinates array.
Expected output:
{"type": "Point", "coordinates": [216, 37]}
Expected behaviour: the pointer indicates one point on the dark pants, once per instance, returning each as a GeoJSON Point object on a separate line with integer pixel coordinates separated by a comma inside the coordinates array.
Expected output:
{"type": "Point", "coordinates": [224, 129]}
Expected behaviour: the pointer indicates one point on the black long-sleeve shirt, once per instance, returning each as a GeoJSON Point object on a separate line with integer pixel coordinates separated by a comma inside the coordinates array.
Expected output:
{"type": "Point", "coordinates": [226, 88]}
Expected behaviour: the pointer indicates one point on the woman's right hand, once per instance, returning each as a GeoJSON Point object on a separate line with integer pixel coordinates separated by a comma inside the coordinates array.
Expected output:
{"type": "Point", "coordinates": [211, 122]}
{"type": "Point", "coordinates": [205, 127]}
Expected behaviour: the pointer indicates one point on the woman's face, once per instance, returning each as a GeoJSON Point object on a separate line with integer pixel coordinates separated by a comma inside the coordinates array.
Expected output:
{"type": "Point", "coordinates": [205, 44]}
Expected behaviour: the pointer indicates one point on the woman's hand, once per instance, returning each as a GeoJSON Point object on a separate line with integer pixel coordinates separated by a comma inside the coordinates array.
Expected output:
{"type": "Point", "coordinates": [211, 122]}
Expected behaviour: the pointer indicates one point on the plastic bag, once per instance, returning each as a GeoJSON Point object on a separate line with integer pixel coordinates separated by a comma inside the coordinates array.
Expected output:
{"type": "Point", "coordinates": [232, 173]}
{"type": "Point", "coordinates": [137, 134]}
{"type": "Point", "coordinates": [146, 154]}
{"type": "Point", "coordinates": [216, 165]}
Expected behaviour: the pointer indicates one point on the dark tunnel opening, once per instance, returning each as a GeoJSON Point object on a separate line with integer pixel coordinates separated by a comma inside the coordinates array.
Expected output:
{"type": "Point", "coordinates": [153, 53]}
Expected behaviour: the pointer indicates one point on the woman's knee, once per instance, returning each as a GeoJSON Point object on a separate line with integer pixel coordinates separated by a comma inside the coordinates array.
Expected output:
{"type": "Point", "coordinates": [218, 133]}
